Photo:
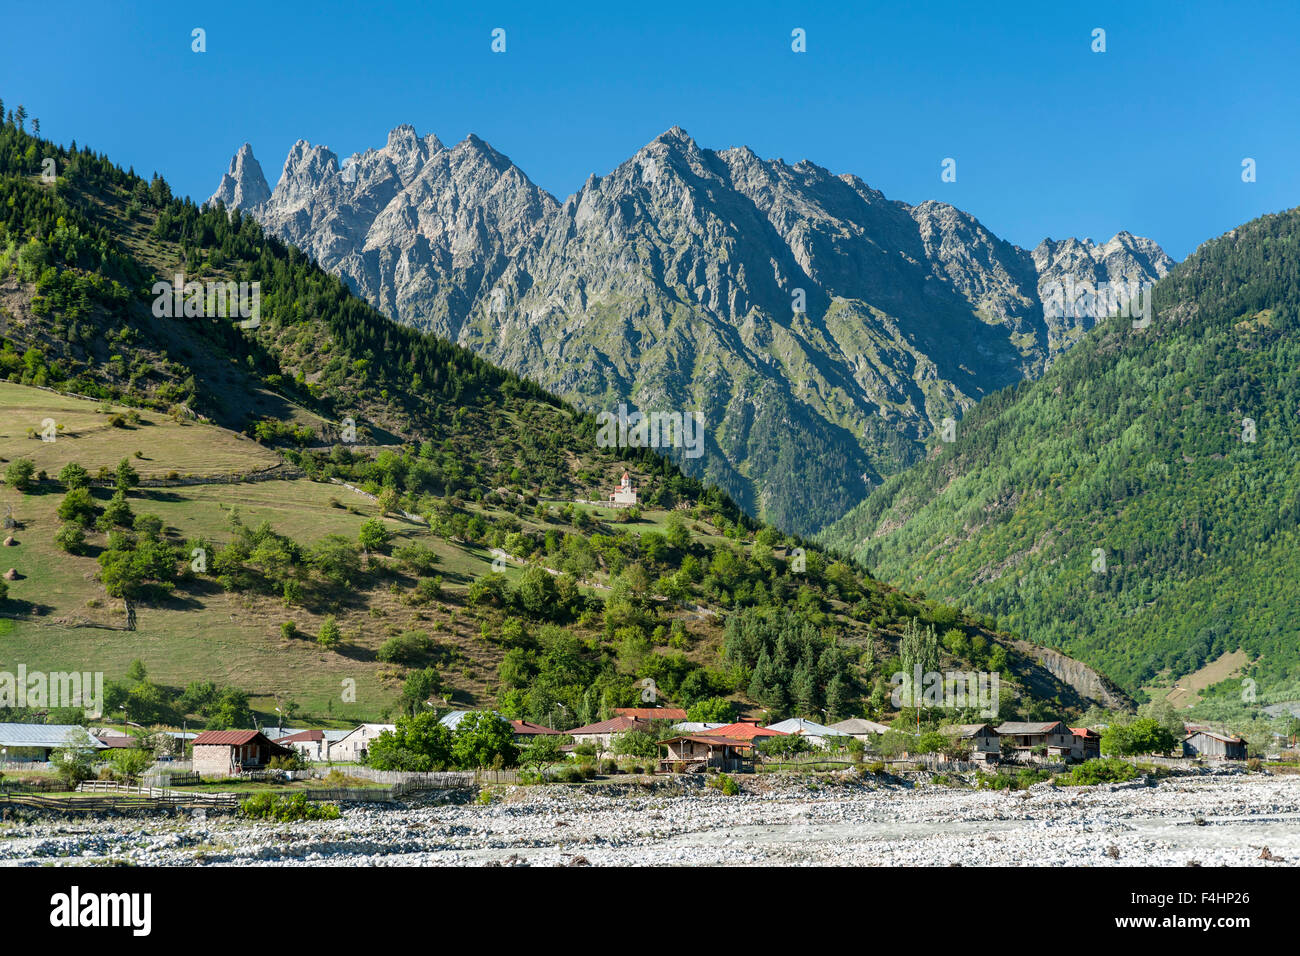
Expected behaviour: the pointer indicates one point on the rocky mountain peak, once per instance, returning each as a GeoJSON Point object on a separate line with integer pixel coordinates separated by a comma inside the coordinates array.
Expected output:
{"type": "Point", "coordinates": [244, 184]}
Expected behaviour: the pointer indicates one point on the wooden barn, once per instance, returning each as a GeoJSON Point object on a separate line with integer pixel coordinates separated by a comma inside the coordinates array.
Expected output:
{"type": "Point", "coordinates": [1211, 743]}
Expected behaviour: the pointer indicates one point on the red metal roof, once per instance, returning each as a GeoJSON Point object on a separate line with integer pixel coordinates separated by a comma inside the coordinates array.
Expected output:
{"type": "Point", "coordinates": [1084, 732]}
{"type": "Point", "coordinates": [526, 727]}
{"type": "Point", "coordinates": [229, 738]}
{"type": "Point", "coordinates": [652, 713]}
{"type": "Point", "coordinates": [302, 736]}
{"type": "Point", "coordinates": [743, 731]}
{"type": "Point", "coordinates": [614, 725]}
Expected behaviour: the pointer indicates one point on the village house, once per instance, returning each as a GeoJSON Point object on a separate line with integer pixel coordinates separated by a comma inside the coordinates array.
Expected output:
{"type": "Point", "coordinates": [1049, 738]}
{"type": "Point", "coordinates": [625, 494]}
{"type": "Point", "coordinates": [1087, 743]}
{"type": "Point", "coordinates": [34, 742]}
{"type": "Point", "coordinates": [603, 732]}
{"type": "Point", "coordinates": [353, 746]}
{"type": "Point", "coordinates": [696, 752]}
{"type": "Point", "coordinates": [1213, 744]}
{"type": "Point", "coordinates": [224, 753]}
{"type": "Point", "coordinates": [980, 741]}
{"type": "Point", "coordinates": [310, 744]}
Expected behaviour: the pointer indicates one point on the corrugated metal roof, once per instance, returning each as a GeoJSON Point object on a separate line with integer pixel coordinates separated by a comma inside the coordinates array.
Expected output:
{"type": "Point", "coordinates": [527, 727]}
{"type": "Point", "coordinates": [1024, 727]}
{"type": "Point", "coordinates": [797, 725]}
{"type": "Point", "coordinates": [302, 736]}
{"type": "Point", "coordinates": [696, 726]}
{"type": "Point", "coordinates": [651, 713]}
{"type": "Point", "coordinates": [43, 735]}
{"type": "Point", "coordinates": [228, 738]}
{"type": "Point", "coordinates": [965, 730]}
{"type": "Point", "coordinates": [744, 731]}
{"type": "Point", "coordinates": [612, 726]}
{"type": "Point", "coordinates": [859, 725]}
{"type": "Point", "coordinates": [452, 720]}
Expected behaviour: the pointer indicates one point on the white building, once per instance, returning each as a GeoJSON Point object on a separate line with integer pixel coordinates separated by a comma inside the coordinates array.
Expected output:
{"type": "Point", "coordinates": [353, 747]}
{"type": "Point", "coordinates": [624, 494]}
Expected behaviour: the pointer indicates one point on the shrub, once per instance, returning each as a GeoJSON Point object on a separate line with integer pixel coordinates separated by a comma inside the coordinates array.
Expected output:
{"type": "Point", "coordinates": [725, 784]}
{"type": "Point", "coordinates": [285, 808]}
{"type": "Point", "coordinates": [1145, 735]}
{"type": "Point", "coordinates": [1093, 772]}
{"type": "Point", "coordinates": [330, 632]}
{"type": "Point", "coordinates": [416, 558]}
{"type": "Point", "coordinates": [373, 535]}
{"type": "Point", "coordinates": [71, 538]}
{"type": "Point", "coordinates": [569, 774]}
{"type": "Point", "coordinates": [428, 590]}
{"type": "Point", "coordinates": [410, 647]}
{"type": "Point", "coordinates": [293, 761]}
{"type": "Point", "coordinates": [19, 474]}
{"type": "Point", "coordinates": [73, 475]}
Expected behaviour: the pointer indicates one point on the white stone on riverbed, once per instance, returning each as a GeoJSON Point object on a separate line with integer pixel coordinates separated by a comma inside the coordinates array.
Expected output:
{"type": "Point", "coordinates": [827, 820]}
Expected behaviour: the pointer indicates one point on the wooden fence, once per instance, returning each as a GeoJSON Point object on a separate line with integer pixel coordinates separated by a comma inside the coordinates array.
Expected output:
{"type": "Point", "coordinates": [440, 780]}
{"type": "Point", "coordinates": [124, 800]}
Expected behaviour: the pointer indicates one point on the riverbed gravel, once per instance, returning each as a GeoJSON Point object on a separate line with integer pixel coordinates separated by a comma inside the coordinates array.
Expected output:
{"type": "Point", "coordinates": [1232, 819]}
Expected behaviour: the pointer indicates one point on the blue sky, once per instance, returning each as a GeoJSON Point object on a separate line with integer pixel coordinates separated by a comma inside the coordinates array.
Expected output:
{"type": "Point", "coordinates": [1050, 138]}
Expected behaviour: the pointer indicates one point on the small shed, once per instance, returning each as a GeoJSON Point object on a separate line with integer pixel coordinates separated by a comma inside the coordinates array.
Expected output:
{"type": "Point", "coordinates": [1211, 743]}
{"type": "Point", "coordinates": [225, 753]}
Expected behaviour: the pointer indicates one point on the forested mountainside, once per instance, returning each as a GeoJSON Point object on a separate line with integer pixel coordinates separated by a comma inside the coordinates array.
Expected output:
{"type": "Point", "coordinates": [1138, 506]}
{"type": "Point", "coordinates": [820, 330]}
{"type": "Point", "coordinates": [270, 507]}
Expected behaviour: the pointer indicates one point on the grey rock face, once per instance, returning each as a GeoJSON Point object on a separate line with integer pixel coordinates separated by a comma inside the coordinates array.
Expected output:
{"type": "Point", "coordinates": [243, 186]}
{"type": "Point", "coordinates": [1124, 262]}
{"type": "Point", "coordinates": [821, 330]}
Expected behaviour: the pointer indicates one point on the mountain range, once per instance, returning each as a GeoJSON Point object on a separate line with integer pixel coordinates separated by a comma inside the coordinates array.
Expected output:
{"type": "Point", "coordinates": [324, 512]}
{"type": "Point", "coordinates": [821, 331]}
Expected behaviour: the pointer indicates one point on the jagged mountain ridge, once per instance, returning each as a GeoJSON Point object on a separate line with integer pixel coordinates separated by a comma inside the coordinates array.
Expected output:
{"type": "Point", "coordinates": [675, 283]}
